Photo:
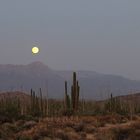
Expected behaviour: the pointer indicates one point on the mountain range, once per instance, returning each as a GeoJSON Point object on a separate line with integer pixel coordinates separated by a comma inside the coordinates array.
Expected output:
{"type": "Point", "coordinates": [93, 85]}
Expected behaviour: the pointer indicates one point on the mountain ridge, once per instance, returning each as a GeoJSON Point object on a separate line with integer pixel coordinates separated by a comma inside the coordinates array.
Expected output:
{"type": "Point", "coordinates": [36, 74]}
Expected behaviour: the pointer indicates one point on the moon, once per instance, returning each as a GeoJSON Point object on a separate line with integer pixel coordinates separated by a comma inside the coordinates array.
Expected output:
{"type": "Point", "coordinates": [35, 50]}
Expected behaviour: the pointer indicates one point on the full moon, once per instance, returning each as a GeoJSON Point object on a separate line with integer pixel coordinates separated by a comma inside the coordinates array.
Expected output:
{"type": "Point", "coordinates": [35, 50]}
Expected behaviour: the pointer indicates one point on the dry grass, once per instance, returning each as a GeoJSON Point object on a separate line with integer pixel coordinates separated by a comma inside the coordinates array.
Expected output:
{"type": "Point", "coordinates": [73, 128]}
{"type": "Point", "coordinates": [99, 127]}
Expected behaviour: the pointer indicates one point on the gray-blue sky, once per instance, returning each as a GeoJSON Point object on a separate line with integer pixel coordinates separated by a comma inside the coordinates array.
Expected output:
{"type": "Point", "coordinates": [99, 35]}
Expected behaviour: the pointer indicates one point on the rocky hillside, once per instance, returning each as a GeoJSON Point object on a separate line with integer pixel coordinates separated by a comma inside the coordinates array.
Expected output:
{"type": "Point", "coordinates": [35, 75]}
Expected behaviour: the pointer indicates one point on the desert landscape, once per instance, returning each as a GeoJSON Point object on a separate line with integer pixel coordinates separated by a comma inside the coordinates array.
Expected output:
{"type": "Point", "coordinates": [25, 116]}
{"type": "Point", "coordinates": [81, 126]}
{"type": "Point", "coordinates": [69, 69]}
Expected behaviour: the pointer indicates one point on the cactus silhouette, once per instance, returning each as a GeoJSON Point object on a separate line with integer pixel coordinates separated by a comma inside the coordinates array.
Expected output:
{"type": "Point", "coordinates": [73, 102]}
{"type": "Point", "coordinates": [75, 89]}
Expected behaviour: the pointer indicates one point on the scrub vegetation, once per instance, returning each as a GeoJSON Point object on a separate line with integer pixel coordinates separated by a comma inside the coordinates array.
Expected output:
{"type": "Point", "coordinates": [35, 117]}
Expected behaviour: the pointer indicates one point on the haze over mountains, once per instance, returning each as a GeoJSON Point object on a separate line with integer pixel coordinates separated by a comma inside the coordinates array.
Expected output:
{"type": "Point", "coordinates": [35, 75]}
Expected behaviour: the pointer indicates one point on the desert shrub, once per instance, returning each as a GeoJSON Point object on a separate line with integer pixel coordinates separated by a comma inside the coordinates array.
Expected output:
{"type": "Point", "coordinates": [62, 135]}
{"type": "Point", "coordinates": [10, 109]}
{"type": "Point", "coordinates": [116, 134]}
{"type": "Point", "coordinates": [122, 133]}
{"type": "Point", "coordinates": [114, 105]}
{"type": "Point", "coordinates": [23, 138]}
{"type": "Point", "coordinates": [79, 127]}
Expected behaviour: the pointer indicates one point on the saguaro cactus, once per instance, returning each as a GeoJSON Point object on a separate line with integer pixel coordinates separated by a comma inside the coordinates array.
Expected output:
{"type": "Point", "coordinates": [111, 102]}
{"type": "Point", "coordinates": [41, 103]}
{"type": "Point", "coordinates": [75, 89]}
{"type": "Point", "coordinates": [67, 98]}
{"type": "Point", "coordinates": [71, 104]}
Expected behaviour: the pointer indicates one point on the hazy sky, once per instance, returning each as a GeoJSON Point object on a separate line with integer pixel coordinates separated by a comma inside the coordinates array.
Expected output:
{"type": "Point", "coordinates": [99, 35]}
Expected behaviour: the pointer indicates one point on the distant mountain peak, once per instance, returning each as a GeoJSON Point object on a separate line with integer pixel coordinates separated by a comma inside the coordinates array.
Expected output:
{"type": "Point", "coordinates": [39, 66]}
{"type": "Point", "coordinates": [37, 63]}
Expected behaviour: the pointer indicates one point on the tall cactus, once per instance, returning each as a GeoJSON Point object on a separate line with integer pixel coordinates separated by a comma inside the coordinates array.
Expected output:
{"type": "Point", "coordinates": [111, 102]}
{"type": "Point", "coordinates": [67, 98]}
{"type": "Point", "coordinates": [75, 89]}
{"type": "Point", "coordinates": [72, 104]}
{"type": "Point", "coordinates": [41, 103]}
